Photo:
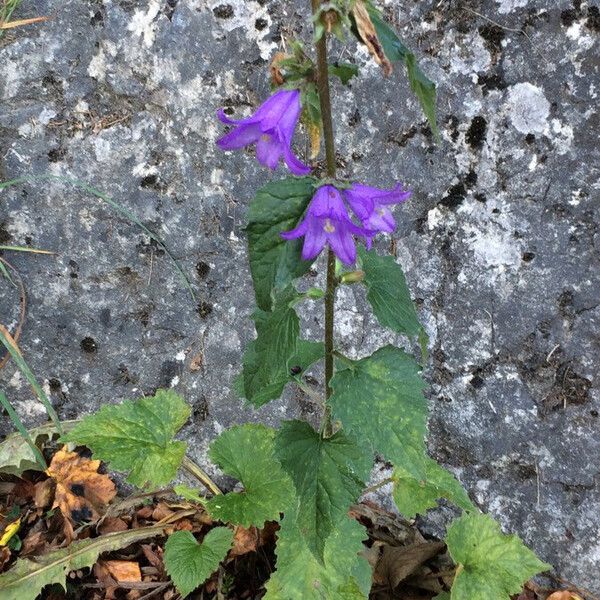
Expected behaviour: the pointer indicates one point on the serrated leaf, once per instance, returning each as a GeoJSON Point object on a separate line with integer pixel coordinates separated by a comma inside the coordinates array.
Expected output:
{"type": "Point", "coordinates": [137, 436]}
{"type": "Point", "coordinates": [379, 399]}
{"type": "Point", "coordinates": [345, 71]}
{"type": "Point", "coordinates": [25, 580]}
{"type": "Point", "coordinates": [246, 452]}
{"type": "Point", "coordinates": [396, 51]}
{"type": "Point", "coordinates": [188, 493]}
{"type": "Point", "coordinates": [388, 293]}
{"type": "Point", "coordinates": [307, 353]}
{"type": "Point", "coordinates": [189, 564]}
{"type": "Point", "coordinates": [343, 575]}
{"type": "Point", "coordinates": [414, 496]}
{"type": "Point", "coordinates": [274, 262]}
{"type": "Point", "coordinates": [328, 474]}
{"type": "Point", "coordinates": [267, 358]}
{"type": "Point", "coordinates": [490, 564]}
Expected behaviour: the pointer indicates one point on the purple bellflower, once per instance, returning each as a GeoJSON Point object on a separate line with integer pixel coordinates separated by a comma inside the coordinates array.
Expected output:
{"type": "Point", "coordinates": [370, 205]}
{"type": "Point", "coordinates": [327, 220]}
{"type": "Point", "coordinates": [271, 127]}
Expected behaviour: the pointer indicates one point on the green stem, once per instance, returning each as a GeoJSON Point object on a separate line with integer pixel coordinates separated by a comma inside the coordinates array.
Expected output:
{"type": "Point", "coordinates": [325, 102]}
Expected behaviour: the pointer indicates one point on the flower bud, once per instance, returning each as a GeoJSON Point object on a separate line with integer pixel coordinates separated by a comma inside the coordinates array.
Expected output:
{"type": "Point", "coordinates": [352, 277]}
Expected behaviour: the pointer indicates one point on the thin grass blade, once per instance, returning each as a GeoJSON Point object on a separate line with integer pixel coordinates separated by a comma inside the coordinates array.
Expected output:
{"type": "Point", "coordinates": [26, 249]}
{"type": "Point", "coordinates": [8, 341]}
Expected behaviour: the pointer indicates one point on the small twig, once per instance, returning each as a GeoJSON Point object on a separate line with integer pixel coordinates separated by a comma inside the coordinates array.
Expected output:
{"type": "Point", "coordinates": [376, 486]}
{"type": "Point", "coordinates": [193, 469]}
{"type": "Point", "coordinates": [537, 481]}
{"type": "Point", "coordinates": [128, 585]}
{"type": "Point", "coordinates": [160, 588]}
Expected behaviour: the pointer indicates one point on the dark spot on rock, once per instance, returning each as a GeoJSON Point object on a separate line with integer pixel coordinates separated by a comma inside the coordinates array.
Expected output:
{"type": "Point", "coordinates": [200, 409]}
{"type": "Point", "coordinates": [569, 388]}
{"type": "Point", "coordinates": [28, 239]}
{"type": "Point", "coordinates": [475, 135]}
{"type": "Point", "coordinates": [354, 119]}
{"type": "Point", "coordinates": [150, 181]}
{"type": "Point", "coordinates": [223, 11]}
{"type": "Point", "coordinates": [528, 256]}
{"type": "Point", "coordinates": [88, 345]}
{"type": "Point", "coordinates": [143, 314]}
{"type": "Point", "coordinates": [453, 123]}
{"type": "Point", "coordinates": [593, 19]}
{"type": "Point", "coordinates": [208, 77]}
{"type": "Point", "coordinates": [493, 81]}
{"type": "Point", "coordinates": [123, 376]}
{"type": "Point", "coordinates": [204, 309]}
{"type": "Point", "coordinates": [594, 412]}
{"type": "Point", "coordinates": [493, 36]}
{"type": "Point", "coordinates": [78, 489]}
{"type": "Point", "coordinates": [74, 269]}
{"type": "Point", "coordinates": [496, 211]}
{"type": "Point", "coordinates": [203, 269]}
{"type": "Point", "coordinates": [568, 17]}
{"type": "Point", "coordinates": [402, 138]}
{"type": "Point", "coordinates": [530, 138]}
{"type": "Point", "coordinates": [56, 154]}
{"type": "Point", "coordinates": [454, 196]}
{"type": "Point", "coordinates": [260, 23]}
{"type": "Point", "coordinates": [356, 156]}
{"type": "Point", "coordinates": [97, 18]}
{"type": "Point", "coordinates": [170, 8]}
{"type": "Point", "coordinates": [80, 516]}
{"type": "Point", "coordinates": [565, 301]}
{"type": "Point", "coordinates": [5, 237]}
{"type": "Point", "coordinates": [54, 385]}
{"type": "Point", "coordinates": [480, 197]}
{"type": "Point", "coordinates": [168, 371]}
{"type": "Point", "coordinates": [471, 179]}
{"type": "Point", "coordinates": [477, 382]}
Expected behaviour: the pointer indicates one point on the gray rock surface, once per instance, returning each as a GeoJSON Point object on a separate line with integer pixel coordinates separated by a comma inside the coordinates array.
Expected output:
{"type": "Point", "coordinates": [500, 241]}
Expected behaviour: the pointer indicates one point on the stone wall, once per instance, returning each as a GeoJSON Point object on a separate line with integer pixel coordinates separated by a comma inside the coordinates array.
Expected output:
{"type": "Point", "coordinates": [500, 241]}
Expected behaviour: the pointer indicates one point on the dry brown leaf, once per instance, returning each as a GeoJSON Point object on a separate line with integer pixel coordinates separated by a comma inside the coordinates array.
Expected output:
{"type": "Point", "coordinates": [244, 540]}
{"type": "Point", "coordinates": [43, 493]}
{"type": "Point", "coordinates": [112, 524]}
{"type": "Point", "coordinates": [396, 563]}
{"type": "Point", "coordinates": [162, 511]}
{"type": "Point", "coordinates": [81, 492]}
{"type": "Point", "coordinates": [276, 75]}
{"type": "Point", "coordinates": [154, 557]}
{"type": "Point", "coordinates": [564, 595]}
{"type": "Point", "coordinates": [4, 557]}
{"type": "Point", "coordinates": [368, 35]}
{"type": "Point", "coordinates": [122, 570]}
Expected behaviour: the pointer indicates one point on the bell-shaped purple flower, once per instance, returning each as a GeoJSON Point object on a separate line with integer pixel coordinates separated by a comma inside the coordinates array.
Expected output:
{"type": "Point", "coordinates": [271, 127]}
{"type": "Point", "coordinates": [327, 222]}
{"type": "Point", "coordinates": [370, 205]}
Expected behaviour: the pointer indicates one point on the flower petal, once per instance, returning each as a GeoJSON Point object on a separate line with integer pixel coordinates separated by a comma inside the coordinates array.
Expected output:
{"type": "Point", "coordinates": [295, 166]}
{"type": "Point", "coordinates": [297, 232]}
{"type": "Point", "coordinates": [276, 107]}
{"type": "Point", "coordinates": [342, 244]}
{"type": "Point", "coordinates": [241, 136]}
{"type": "Point", "coordinates": [314, 240]}
{"type": "Point", "coordinates": [268, 150]}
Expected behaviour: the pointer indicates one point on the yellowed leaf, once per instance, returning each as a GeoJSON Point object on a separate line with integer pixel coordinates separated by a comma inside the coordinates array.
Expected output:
{"type": "Point", "coordinates": [81, 492]}
{"type": "Point", "coordinates": [9, 532]}
{"type": "Point", "coordinates": [368, 35]}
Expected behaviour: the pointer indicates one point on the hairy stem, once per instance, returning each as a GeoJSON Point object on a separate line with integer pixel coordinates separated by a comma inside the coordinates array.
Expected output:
{"type": "Point", "coordinates": [325, 102]}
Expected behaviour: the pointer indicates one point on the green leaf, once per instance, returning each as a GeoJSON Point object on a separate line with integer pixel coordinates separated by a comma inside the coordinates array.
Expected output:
{"type": "Point", "coordinates": [343, 575]}
{"type": "Point", "coordinates": [388, 293]}
{"type": "Point", "coordinates": [329, 475]}
{"type": "Point", "coordinates": [307, 353]}
{"type": "Point", "coordinates": [274, 262]}
{"type": "Point", "coordinates": [267, 358]}
{"type": "Point", "coordinates": [379, 399]}
{"type": "Point", "coordinates": [345, 71]}
{"type": "Point", "coordinates": [190, 494]}
{"type": "Point", "coordinates": [491, 565]}
{"type": "Point", "coordinates": [26, 578]}
{"type": "Point", "coordinates": [246, 452]}
{"type": "Point", "coordinates": [442, 596]}
{"type": "Point", "coordinates": [136, 436]}
{"type": "Point", "coordinates": [396, 51]}
{"type": "Point", "coordinates": [189, 564]}
{"type": "Point", "coordinates": [414, 496]}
